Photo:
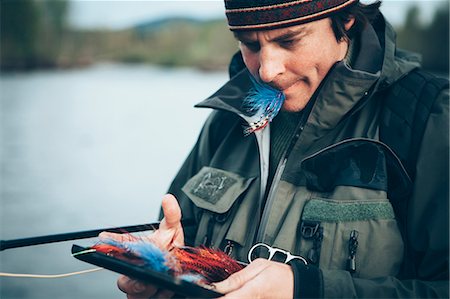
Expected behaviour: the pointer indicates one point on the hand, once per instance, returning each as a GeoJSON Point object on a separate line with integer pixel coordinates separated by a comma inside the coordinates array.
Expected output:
{"type": "Point", "coordinates": [136, 289]}
{"type": "Point", "coordinates": [260, 279]}
{"type": "Point", "coordinates": [169, 235]}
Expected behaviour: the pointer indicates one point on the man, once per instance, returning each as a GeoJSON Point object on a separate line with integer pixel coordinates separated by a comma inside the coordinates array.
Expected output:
{"type": "Point", "coordinates": [326, 178]}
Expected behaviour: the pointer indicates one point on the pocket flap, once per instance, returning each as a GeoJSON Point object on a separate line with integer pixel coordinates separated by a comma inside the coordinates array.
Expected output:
{"type": "Point", "coordinates": [215, 189]}
{"type": "Point", "coordinates": [359, 162]}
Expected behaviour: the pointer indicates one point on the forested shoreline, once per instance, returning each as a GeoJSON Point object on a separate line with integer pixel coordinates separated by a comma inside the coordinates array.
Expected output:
{"type": "Point", "coordinates": [36, 35]}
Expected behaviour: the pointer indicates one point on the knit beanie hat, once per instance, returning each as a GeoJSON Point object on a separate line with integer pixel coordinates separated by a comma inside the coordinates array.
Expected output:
{"type": "Point", "coordinates": [271, 14]}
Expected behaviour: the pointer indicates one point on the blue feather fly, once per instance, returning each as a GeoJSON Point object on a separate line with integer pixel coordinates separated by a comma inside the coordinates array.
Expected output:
{"type": "Point", "coordinates": [153, 257]}
{"type": "Point", "coordinates": [264, 102]}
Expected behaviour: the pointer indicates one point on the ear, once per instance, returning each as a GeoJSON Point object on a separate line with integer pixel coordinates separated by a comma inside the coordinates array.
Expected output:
{"type": "Point", "coordinates": [349, 23]}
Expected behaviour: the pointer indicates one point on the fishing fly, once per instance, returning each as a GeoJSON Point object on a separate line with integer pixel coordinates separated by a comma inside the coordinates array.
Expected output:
{"type": "Point", "coordinates": [263, 102]}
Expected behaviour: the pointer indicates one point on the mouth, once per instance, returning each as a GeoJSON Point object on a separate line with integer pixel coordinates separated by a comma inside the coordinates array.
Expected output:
{"type": "Point", "coordinates": [286, 89]}
{"type": "Point", "coordinates": [290, 87]}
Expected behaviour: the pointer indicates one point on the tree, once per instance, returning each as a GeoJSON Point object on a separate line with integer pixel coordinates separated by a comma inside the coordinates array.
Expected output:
{"type": "Point", "coordinates": [20, 25]}
{"type": "Point", "coordinates": [432, 40]}
{"type": "Point", "coordinates": [31, 32]}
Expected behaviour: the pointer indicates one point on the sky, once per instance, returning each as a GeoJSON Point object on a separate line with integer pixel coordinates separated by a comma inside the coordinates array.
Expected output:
{"type": "Point", "coordinates": [119, 14]}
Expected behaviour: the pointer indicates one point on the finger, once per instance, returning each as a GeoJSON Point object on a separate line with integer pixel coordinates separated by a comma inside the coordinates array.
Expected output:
{"type": "Point", "coordinates": [240, 278]}
{"type": "Point", "coordinates": [172, 212]}
{"type": "Point", "coordinates": [116, 237]}
{"type": "Point", "coordinates": [246, 291]}
{"type": "Point", "coordinates": [276, 281]}
{"type": "Point", "coordinates": [135, 288]}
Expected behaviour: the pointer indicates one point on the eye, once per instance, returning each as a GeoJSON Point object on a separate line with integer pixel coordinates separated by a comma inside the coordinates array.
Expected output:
{"type": "Point", "coordinates": [288, 43]}
{"type": "Point", "coordinates": [254, 47]}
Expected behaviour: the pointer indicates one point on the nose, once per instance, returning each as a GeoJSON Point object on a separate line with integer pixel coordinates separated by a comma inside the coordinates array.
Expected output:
{"type": "Point", "coordinates": [270, 65]}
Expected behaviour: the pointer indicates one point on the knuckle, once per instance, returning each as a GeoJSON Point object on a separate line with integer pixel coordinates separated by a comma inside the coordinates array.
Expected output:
{"type": "Point", "coordinates": [236, 279]}
{"type": "Point", "coordinates": [260, 261]}
{"type": "Point", "coordinates": [122, 283]}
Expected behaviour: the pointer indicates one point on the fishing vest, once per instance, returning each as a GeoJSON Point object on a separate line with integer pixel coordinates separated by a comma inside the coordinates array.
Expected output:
{"type": "Point", "coordinates": [406, 109]}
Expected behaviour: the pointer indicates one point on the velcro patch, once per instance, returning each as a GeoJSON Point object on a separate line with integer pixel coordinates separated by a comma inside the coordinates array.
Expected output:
{"type": "Point", "coordinates": [212, 185]}
{"type": "Point", "coordinates": [333, 211]}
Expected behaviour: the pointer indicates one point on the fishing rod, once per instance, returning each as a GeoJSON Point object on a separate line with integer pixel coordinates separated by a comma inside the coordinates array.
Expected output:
{"type": "Point", "coordinates": [25, 242]}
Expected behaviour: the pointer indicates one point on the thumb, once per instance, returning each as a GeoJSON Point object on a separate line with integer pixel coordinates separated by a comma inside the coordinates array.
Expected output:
{"type": "Point", "coordinates": [172, 212]}
{"type": "Point", "coordinates": [170, 232]}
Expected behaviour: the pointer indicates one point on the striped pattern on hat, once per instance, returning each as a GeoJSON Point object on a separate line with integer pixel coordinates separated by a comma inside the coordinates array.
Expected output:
{"type": "Point", "coordinates": [271, 14]}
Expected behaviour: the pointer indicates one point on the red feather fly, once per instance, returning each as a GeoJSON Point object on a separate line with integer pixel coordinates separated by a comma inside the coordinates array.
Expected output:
{"type": "Point", "coordinates": [201, 265]}
{"type": "Point", "coordinates": [213, 265]}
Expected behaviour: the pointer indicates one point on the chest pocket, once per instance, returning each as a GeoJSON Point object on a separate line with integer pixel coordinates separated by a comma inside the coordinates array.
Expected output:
{"type": "Point", "coordinates": [349, 223]}
{"type": "Point", "coordinates": [216, 192]}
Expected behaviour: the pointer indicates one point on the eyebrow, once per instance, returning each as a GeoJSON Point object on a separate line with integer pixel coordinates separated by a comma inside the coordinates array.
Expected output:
{"type": "Point", "coordinates": [290, 34]}
{"type": "Point", "coordinates": [241, 36]}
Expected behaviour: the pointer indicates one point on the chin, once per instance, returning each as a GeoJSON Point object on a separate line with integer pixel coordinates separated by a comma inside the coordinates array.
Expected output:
{"type": "Point", "coordinates": [291, 109]}
{"type": "Point", "coordinates": [293, 105]}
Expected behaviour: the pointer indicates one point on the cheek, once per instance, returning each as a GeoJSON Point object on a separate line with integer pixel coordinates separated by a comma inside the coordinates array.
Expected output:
{"type": "Point", "coordinates": [312, 63]}
{"type": "Point", "coordinates": [251, 60]}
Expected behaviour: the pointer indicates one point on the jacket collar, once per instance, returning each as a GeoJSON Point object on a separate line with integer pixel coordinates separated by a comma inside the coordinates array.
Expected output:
{"type": "Point", "coordinates": [396, 62]}
{"type": "Point", "coordinates": [231, 95]}
{"type": "Point", "coordinates": [345, 85]}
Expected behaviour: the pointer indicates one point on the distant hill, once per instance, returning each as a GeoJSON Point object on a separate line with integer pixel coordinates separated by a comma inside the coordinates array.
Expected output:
{"type": "Point", "coordinates": [206, 44]}
{"type": "Point", "coordinates": [159, 24]}
{"type": "Point", "coordinates": [171, 42]}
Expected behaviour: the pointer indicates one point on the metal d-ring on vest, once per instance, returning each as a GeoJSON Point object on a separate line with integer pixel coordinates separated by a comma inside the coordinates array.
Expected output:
{"type": "Point", "coordinates": [272, 251]}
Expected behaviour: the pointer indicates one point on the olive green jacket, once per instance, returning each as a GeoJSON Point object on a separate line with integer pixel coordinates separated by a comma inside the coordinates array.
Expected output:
{"type": "Point", "coordinates": [331, 187]}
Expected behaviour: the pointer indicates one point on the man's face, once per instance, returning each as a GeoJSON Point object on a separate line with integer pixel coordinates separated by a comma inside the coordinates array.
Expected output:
{"type": "Point", "coordinates": [293, 59]}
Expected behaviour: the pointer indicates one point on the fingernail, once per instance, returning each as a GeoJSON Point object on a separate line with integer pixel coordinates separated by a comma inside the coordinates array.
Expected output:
{"type": "Point", "coordinates": [138, 287]}
{"type": "Point", "coordinates": [215, 287]}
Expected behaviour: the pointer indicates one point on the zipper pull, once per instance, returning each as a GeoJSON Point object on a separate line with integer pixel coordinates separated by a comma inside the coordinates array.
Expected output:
{"type": "Point", "coordinates": [309, 229]}
{"type": "Point", "coordinates": [352, 248]}
{"type": "Point", "coordinates": [229, 248]}
{"type": "Point", "coordinates": [314, 253]}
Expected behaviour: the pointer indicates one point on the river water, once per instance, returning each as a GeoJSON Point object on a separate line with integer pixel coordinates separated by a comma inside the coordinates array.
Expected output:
{"type": "Point", "coordinates": [88, 148]}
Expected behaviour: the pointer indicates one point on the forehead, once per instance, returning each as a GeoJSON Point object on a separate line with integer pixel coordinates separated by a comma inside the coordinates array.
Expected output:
{"type": "Point", "coordinates": [284, 32]}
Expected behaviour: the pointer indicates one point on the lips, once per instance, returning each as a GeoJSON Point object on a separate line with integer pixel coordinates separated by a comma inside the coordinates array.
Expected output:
{"type": "Point", "coordinates": [285, 87]}
{"type": "Point", "coordinates": [281, 87]}
{"type": "Point", "coordinates": [286, 90]}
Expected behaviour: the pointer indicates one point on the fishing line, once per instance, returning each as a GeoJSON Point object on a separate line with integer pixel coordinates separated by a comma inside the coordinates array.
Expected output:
{"type": "Point", "coordinates": [19, 275]}
{"type": "Point", "coordinates": [39, 240]}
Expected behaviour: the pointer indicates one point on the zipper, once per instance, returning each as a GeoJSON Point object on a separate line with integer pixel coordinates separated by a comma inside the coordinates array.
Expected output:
{"type": "Point", "coordinates": [261, 227]}
{"type": "Point", "coordinates": [352, 248]}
